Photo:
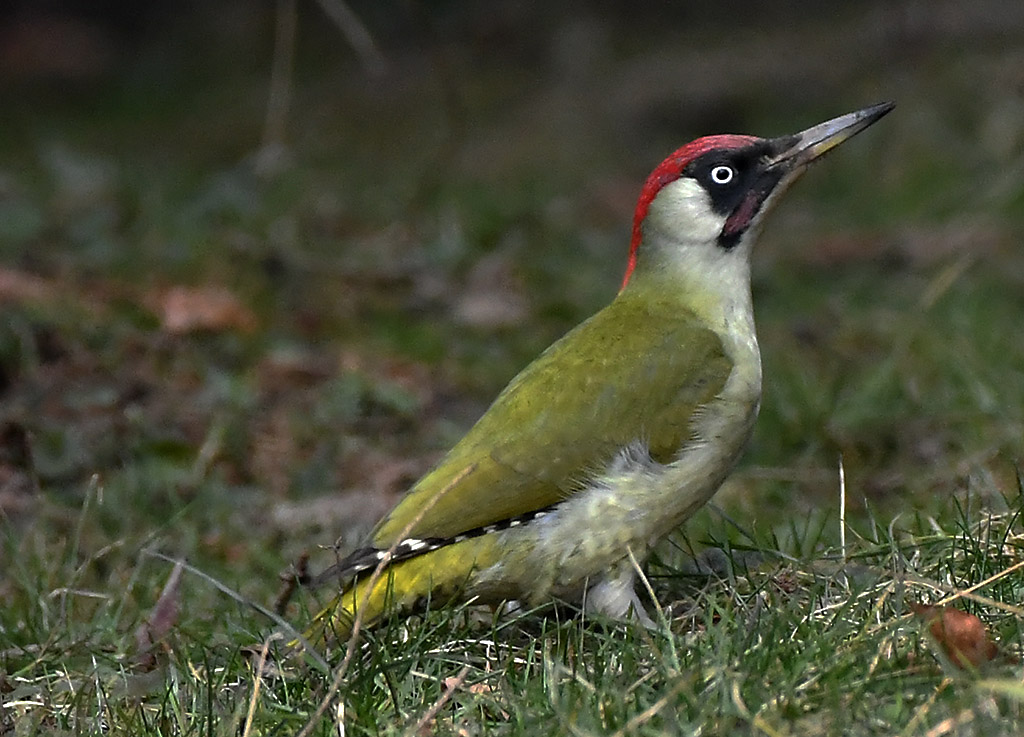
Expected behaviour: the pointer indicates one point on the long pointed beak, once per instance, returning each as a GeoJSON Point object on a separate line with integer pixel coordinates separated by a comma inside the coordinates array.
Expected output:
{"type": "Point", "coordinates": [795, 152]}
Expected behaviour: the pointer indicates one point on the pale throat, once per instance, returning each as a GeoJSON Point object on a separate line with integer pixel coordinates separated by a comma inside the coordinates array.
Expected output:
{"type": "Point", "coordinates": [680, 255]}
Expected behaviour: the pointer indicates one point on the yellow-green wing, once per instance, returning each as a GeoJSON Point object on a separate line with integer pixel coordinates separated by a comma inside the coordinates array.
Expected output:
{"type": "Point", "coordinates": [637, 370]}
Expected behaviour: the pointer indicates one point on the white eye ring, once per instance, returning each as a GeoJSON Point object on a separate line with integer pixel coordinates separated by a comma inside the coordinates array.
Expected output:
{"type": "Point", "coordinates": [722, 174]}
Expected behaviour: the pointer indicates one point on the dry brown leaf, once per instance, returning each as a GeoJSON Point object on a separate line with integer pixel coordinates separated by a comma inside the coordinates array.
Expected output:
{"type": "Point", "coordinates": [961, 635]}
{"type": "Point", "coordinates": [479, 689]}
{"type": "Point", "coordinates": [160, 621]}
{"type": "Point", "coordinates": [20, 286]}
{"type": "Point", "coordinates": [492, 296]}
{"type": "Point", "coordinates": [191, 309]}
{"type": "Point", "coordinates": [290, 369]}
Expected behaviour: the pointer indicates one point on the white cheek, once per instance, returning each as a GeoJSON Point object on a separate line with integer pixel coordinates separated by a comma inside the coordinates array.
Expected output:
{"type": "Point", "coordinates": [682, 210]}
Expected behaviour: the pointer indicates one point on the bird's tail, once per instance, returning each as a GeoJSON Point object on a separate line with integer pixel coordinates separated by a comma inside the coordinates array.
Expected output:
{"type": "Point", "coordinates": [372, 597]}
{"type": "Point", "coordinates": [437, 575]}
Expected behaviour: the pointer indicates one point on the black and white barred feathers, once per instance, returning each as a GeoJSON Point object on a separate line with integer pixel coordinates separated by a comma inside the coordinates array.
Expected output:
{"type": "Point", "coordinates": [366, 559]}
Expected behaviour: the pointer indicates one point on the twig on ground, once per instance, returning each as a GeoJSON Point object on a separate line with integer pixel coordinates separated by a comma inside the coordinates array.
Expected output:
{"type": "Point", "coordinates": [295, 575]}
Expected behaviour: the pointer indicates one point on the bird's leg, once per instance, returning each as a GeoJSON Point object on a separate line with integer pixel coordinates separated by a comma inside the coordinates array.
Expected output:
{"type": "Point", "coordinates": [614, 595]}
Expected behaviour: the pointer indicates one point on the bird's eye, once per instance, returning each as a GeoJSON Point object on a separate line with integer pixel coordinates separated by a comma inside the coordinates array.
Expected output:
{"type": "Point", "coordinates": [722, 174]}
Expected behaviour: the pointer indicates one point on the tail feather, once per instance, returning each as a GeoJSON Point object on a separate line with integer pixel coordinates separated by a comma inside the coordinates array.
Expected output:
{"type": "Point", "coordinates": [438, 574]}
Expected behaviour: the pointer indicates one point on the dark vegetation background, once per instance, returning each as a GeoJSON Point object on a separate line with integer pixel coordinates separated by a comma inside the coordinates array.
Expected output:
{"type": "Point", "coordinates": [234, 330]}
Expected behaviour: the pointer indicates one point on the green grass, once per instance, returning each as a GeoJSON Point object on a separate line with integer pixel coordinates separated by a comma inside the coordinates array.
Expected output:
{"type": "Point", "coordinates": [888, 298]}
{"type": "Point", "coordinates": [779, 643]}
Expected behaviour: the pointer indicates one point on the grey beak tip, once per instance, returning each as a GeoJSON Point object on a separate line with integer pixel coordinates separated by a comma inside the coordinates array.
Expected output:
{"type": "Point", "coordinates": [877, 111]}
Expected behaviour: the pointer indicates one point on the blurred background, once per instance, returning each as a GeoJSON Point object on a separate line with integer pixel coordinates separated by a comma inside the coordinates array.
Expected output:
{"type": "Point", "coordinates": [261, 264]}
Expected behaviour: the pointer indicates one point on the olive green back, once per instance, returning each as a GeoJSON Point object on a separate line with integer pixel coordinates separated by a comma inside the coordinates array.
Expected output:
{"type": "Point", "coordinates": [636, 370]}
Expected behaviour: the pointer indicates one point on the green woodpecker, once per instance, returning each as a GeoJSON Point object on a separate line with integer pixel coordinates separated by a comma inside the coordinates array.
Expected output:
{"type": "Point", "coordinates": [619, 431]}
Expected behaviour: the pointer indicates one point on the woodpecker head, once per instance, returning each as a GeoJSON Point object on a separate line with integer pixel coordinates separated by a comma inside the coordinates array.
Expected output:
{"type": "Point", "coordinates": [705, 202]}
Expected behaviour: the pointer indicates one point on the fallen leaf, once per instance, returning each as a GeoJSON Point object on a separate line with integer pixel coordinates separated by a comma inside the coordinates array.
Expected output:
{"type": "Point", "coordinates": [20, 286]}
{"type": "Point", "coordinates": [160, 621]}
{"type": "Point", "coordinates": [961, 635]}
{"type": "Point", "coordinates": [285, 369]}
{"type": "Point", "coordinates": [192, 309]}
{"type": "Point", "coordinates": [479, 689]}
{"type": "Point", "coordinates": [492, 296]}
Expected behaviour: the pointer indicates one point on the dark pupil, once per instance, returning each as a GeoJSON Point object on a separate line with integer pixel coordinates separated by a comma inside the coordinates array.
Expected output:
{"type": "Point", "coordinates": [722, 174]}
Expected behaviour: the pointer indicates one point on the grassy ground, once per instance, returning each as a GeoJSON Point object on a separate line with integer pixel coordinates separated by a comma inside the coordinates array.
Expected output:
{"type": "Point", "coordinates": [423, 238]}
